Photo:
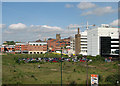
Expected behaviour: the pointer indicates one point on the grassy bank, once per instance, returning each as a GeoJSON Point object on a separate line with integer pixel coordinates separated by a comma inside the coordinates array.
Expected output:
{"type": "Point", "coordinates": [50, 73]}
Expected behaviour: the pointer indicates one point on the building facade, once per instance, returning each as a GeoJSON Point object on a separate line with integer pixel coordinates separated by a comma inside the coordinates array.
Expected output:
{"type": "Point", "coordinates": [7, 48]}
{"type": "Point", "coordinates": [21, 47]}
{"type": "Point", "coordinates": [77, 43]}
{"type": "Point", "coordinates": [83, 43]}
{"type": "Point", "coordinates": [37, 47]}
{"type": "Point", "coordinates": [57, 44]}
{"type": "Point", "coordinates": [95, 35]}
{"type": "Point", "coordinates": [2, 48]}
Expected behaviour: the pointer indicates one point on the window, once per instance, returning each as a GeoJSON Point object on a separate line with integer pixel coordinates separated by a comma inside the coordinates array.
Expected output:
{"type": "Point", "coordinates": [36, 44]}
{"type": "Point", "coordinates": [33, 44]}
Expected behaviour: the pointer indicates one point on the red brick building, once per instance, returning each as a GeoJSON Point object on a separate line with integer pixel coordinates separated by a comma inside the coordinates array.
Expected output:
{"type": "Point", "coordinates": [21, 47]}
{"type": "Point", "coordinates": [56, 44]}
{"type": "Point", "coordinates": [37, 47]}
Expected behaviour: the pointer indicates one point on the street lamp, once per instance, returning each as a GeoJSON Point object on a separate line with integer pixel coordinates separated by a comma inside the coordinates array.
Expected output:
{"type": "Point", "coordinates": [61, 66]}
{"type": "Point", "coordinates": [87, 70]}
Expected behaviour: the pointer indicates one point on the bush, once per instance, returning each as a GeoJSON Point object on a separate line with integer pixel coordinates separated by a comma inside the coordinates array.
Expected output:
{"type": "Point", "coordinates": [74, 70]}
{"type": "Point", "coordinates": [113, 79]}
{"type": "Point", "coordinates": [50, 82]}
{"type": "Point", "coordinates": [79, 56]}
{"type": "Point", "coordinates": [73, 83]}
{"type": "Point", "coordinates": [100, 78]}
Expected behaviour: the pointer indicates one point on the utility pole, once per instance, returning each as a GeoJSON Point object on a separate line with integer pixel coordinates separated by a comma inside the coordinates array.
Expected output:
{"type": "Point", "coordinates": [61, 66]}
{"type": "Point", "coordinates": [87, 71]}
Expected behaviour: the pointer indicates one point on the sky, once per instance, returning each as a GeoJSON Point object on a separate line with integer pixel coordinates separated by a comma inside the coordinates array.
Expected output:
{"type": "Point", "coordinates": [30, 21]}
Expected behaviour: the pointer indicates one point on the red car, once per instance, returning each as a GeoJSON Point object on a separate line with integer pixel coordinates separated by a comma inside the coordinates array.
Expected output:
{"type": "Point", "coordinates": [82, 60]}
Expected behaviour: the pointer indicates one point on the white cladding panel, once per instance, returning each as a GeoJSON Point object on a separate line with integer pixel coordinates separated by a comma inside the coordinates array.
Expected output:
{"type": "Point", "coordinates": [93, 42]}
{"type": "Point", "coordinates": [112, 32]}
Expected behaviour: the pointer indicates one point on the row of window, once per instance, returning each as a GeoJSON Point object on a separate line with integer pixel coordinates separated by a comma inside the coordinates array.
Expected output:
{"type": "Point", "coordinates": [20, 47]}
{"type": "Point", "coordinates": [36, 53]}
{"type": "Point", "coordinates": [84, 51]}
{"type": "Point", "coordinates": [38, 44]}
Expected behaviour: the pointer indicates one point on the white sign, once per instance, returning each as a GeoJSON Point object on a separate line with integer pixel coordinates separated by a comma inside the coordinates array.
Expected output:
{"type": "Point", "coordinates": [94, 80]}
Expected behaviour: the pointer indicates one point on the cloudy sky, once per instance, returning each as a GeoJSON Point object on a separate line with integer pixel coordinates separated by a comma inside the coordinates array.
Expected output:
{"type": "Point", "coordinates": [30, 21]}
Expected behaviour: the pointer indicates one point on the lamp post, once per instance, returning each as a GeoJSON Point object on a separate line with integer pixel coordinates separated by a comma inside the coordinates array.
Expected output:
{"type": "Point", "coordinates": [87, 71]}
{"type": "Point", "coordinates": [61, 66]}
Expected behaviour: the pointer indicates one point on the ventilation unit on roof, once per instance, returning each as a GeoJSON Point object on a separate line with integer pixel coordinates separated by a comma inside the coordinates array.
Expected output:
{"type": "Point", "coordinates": [105, 25]}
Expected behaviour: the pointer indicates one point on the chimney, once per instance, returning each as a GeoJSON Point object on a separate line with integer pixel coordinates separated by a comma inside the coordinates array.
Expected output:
{"type": "Point", "coordinates": [78, 30]}
{"type": "Point", "coordinates": [58, 37]}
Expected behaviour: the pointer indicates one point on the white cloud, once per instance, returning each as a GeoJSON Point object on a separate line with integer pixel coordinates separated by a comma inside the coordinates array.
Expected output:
{"type": "Point", "coordinates": [8, 32]}
{"type": "Point", "coordinates": [86, 5]}
{"type": "Point", "coordinates": [69, 5]}
{"type": "Point", "coordinates": [45, 28]}
{"type": "Point", "coordinates": [17, 26]}
{"type": "Point", "coordinates": [99, 11]}
{"type": "Point", "coordinates": [2, 26]}
{"type": "Point", "coordinates": [35, 32]}
{"type": "Point", "coordinates": [115, 22]}
{"type": "Point", "coordinates": [51, 27]}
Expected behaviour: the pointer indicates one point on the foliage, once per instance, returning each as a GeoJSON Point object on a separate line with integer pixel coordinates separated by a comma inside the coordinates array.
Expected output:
{"type": "Point", "coordinates": [9, 43]}
{"type": "Point", "coordinates": [79, 56]}
{"type": "Point", "coordinates": [113, 78]}
{"type": "Point", "coordinates": [73, 83]}
{"type": "Point", "coordinates": [100, 78]}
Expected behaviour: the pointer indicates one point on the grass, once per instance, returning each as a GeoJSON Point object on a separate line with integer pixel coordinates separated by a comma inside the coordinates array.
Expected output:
{"type": "Point", "coordinates": [50, 73]}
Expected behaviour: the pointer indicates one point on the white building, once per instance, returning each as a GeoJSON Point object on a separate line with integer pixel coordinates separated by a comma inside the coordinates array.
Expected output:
{"type": "Point", "coordinates": [95, 34]}
{"type": "Point", "coordinates": [83, 43]}
{"type": "Point", "coordinates": [72, 46]}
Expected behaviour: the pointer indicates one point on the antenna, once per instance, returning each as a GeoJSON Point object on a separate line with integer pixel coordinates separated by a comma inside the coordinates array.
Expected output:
{"type": "Point", "coordinates": [87, 25]}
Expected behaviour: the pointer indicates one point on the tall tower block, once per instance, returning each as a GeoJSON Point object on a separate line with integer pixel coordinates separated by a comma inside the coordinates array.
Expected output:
{"type": "Point", "coordinates": [77, 43]}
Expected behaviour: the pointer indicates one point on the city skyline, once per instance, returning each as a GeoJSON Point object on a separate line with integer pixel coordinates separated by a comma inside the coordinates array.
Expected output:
{"type": "Point", "coordinates": [28, 21]}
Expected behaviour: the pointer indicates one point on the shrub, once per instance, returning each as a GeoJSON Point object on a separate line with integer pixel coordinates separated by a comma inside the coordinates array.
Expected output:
{"type": "Point", "coordinates": [79, 56]}
{"type": "Point", "coordinates": [73, 83]}
{"type": "Point", "coordinates": [113, 78]}
{"type": "Point", "coordinates": [50, 82]}
{"type": "Point", "coordinates": [78, 71]}
{"type": "Point", "coordinates": [32, 76]}
{"type": "Point", "coordinates": [74, 70]}
{"type": "Point", "coordinates": [15, 70]}
{"type": "Point", "coordinates": [100, 78]}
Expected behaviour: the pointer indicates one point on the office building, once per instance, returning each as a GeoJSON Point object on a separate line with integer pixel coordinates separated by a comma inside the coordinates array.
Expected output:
{"type": "Point", "coordinates": [103, 40]}
{"type": "Point", "coordinates": [83, 43]}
